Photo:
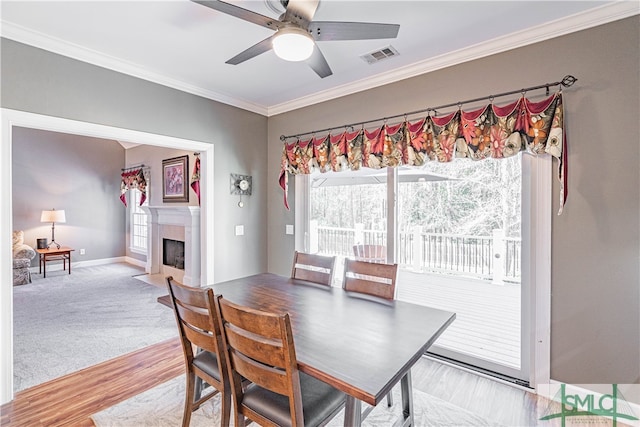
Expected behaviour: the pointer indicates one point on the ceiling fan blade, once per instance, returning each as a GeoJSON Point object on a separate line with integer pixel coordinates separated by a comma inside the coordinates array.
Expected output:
{"type": "Point", "coordinates": [301, 12]}
{"type": "Point", "coordinates": [319, 64]}
{"type": "Point", "coordinates": [238, 12]}
{"type": "Point", "coordinates": [253, 51]}
{"type": "Point", "coordinates": [329, 30]}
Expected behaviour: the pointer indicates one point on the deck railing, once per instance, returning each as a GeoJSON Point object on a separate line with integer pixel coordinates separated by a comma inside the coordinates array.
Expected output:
{"type": "Point", "coordinates": [495, 257]}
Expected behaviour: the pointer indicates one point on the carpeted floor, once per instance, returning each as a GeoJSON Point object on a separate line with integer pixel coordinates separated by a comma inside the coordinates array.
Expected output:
{"type": "Point", "coordinates": [67, 322]}
{"type": "Point", "coordinates": [162, 406]}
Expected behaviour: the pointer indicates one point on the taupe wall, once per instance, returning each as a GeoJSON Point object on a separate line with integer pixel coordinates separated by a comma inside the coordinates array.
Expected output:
{"type": "Point", "coordinates": [75, 173]}
{"type": "Point", "coordinates": [595, 333]}
{"type": "Point", "coordinates": [41, 82]}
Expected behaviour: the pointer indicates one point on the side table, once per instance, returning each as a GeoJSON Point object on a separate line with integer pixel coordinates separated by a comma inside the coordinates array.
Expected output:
{"type": "Point", "coordinates": [54, 254]}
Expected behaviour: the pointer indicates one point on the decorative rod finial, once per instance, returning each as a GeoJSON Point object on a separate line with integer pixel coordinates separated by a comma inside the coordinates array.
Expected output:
{"type": "Point", "coordinates": [568, 80]}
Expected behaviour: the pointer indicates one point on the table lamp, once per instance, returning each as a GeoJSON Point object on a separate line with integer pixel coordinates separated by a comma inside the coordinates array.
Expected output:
{"type": "Point", "coordinates": [53, 216]}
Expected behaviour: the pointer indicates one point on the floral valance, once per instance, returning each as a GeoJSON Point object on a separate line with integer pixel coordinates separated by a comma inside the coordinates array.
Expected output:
{"type": "Point", "coordinates": [133, 178]}
{"type": "Point", "coordinates": [488, 132]}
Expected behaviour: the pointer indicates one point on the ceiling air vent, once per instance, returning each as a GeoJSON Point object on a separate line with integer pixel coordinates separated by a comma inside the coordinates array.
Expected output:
{"type": "Point", "coordinates": [380, 54]}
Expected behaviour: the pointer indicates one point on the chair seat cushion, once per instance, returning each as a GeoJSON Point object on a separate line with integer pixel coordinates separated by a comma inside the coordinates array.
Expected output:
{"type": "Point", "coordinates": [319, 401]}
{"type": "Point", "coordinates": [208, 363]}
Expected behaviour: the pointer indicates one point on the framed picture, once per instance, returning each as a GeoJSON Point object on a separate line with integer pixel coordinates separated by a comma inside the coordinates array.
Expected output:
{"type": "Point", "coordinates": [175, 187]}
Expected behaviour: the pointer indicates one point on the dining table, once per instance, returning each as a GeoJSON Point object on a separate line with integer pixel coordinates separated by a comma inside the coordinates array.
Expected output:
{"type": "Point", "coordinates": [359, 344]}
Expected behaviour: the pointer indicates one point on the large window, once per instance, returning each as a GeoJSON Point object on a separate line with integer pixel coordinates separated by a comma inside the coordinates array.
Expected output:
{"type": "Point", "coordinates": [138, 223]}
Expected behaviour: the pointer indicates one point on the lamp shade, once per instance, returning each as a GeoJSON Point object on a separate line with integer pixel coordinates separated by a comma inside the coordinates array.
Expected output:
{"type": "Point", "coordinates": [293, 44]}
{"type": "Point", "coordinates": [53, 216]}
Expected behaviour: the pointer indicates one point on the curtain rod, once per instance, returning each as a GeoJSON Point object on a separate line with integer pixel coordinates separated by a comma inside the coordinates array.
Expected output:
{"type": "Point", "coordinates": [142, 166]}
{"type": "Point", "coordinates": [566, 81]}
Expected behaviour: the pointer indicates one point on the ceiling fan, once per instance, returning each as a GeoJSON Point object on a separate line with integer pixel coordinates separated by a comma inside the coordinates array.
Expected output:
{"type": "Point", "coordinates": [296, 33]}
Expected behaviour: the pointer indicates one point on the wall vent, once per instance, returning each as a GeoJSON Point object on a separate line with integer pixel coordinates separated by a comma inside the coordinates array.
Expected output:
{"type": "Point", "coordinates": [380, 54]}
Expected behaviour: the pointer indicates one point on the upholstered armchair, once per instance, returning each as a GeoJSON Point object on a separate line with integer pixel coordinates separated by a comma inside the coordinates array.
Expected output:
{"type": "Point", "coordinates": [22, 256]}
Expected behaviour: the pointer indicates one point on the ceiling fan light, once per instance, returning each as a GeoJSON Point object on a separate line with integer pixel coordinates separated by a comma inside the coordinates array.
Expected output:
{"type": "Point", "coordinates": [293, 44]}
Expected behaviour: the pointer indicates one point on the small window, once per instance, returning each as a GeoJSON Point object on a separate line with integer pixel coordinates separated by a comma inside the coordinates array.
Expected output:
{"type": "Point", "coordinates": [138, 223]}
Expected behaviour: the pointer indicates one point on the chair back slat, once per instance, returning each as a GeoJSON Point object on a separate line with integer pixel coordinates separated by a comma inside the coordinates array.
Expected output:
{"type": "Point", "coordinates": [370, 278]}
{"type": "Point", "coordinates": [265, 376]}
{"type": "Point", "coordinates": [254, 321]}
{"type": "Point", "coordinates": [200, 339]}
{"type": "Point", "coordinates": [382, 290]}
{"type": "Point", "coordinates": [268, 351]}
{"type": "Point", "coordinates": [320, 277]}
{"type": "Point", "coordinates": [313, 268]}
{"type": "Point", "coordinates": [195, 316]}
{"type": "Point", "coordinates": [188, 297]}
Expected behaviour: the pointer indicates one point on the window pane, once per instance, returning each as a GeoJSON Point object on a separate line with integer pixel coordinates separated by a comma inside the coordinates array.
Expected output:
{"type": "Point", "coordinates": [138, 222]}
{"type": "Point", "coordinates": [459, 250]}
{"type": "Point", "coordinates": [347, 210]}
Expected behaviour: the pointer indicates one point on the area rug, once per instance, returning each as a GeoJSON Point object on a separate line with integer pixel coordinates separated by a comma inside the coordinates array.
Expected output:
{"type": "Point", "coordinates": [68, 322]}
{"type": "Point", "coordinates": [163, 405]}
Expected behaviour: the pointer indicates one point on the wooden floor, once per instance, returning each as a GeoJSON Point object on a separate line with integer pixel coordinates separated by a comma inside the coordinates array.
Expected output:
{"type": "Point", "coordinates": [487, 322]}
{"type": "Point", "coordinates": [72, 399]}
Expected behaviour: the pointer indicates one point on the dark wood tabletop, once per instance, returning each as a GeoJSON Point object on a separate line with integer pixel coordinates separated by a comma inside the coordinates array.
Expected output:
{"type": "Point", "coordinates": [360, 345]}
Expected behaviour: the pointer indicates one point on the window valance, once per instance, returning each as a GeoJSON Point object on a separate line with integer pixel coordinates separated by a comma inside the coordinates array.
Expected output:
{"type": "Point", "coordinates": [488, 132]}
{"type": "Point", "coordinates": [133, 178]}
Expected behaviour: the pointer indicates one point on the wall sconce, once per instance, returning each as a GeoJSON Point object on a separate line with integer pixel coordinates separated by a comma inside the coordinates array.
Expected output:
{"type": "Point", "coordinates": [241, 185]}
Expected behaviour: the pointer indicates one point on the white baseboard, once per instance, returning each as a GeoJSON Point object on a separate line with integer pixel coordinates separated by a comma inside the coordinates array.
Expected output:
{"type": "Point", "coordinates": [91, 263]}
{"type": "Point", "coordinates": [135, 261]}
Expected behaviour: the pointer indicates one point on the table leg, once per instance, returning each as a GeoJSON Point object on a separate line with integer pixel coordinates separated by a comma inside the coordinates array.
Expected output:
{"type": "Point", "coordinates": [44, 266]}
{"type": "Point", "coordinates": [407, 400]}
{"type": "Point", "coordinates": [352, 412]}
{"type": "Point", "coordinates": [69, 262]}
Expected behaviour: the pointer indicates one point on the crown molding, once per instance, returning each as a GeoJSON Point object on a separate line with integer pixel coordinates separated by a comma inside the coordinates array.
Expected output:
{"type": "Point", "coordinates": [581, 21]}
{"type": "Point", "coordinates": [594, 17]}
{"type": "Point", "coordinates": [34, 38]}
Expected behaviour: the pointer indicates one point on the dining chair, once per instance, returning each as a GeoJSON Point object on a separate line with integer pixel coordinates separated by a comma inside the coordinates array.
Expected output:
{"type": "Point", "coordinates": [370, 278]}
{"type": "Point", "coordinates": [378, 280]}
{"type": "Point", "coordinates": [261, 349]}
{"type": "Point", "coordinates": [204, 358]}
{"type": "Point", "coordinates": [313, 268]}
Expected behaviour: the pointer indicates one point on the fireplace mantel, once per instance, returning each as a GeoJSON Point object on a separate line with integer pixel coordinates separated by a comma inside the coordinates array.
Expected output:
{"type": "Point", "coordinates": [186, 217]}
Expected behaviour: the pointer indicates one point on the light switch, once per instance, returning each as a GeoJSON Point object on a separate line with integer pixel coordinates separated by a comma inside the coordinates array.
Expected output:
{"type": "Point", "coordinates": [239, 230]}
{"type": "Point", "coordinates": [289, 229]}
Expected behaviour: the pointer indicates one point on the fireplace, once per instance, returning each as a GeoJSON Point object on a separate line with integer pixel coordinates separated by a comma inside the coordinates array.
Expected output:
{"type": "Point", "coordinates": [173, 253]}
{"type": "Point", "coordinates": [174, 242]}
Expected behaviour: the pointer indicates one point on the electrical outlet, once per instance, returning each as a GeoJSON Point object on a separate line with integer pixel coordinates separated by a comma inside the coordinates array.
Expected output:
{"type": "Point", "coordinates": [81, 251]}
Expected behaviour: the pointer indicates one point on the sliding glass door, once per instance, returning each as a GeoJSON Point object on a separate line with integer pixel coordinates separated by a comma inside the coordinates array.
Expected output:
{"type": "Point", "coordinates": [455, 230]}
{"type": "Point", "coordinates": [459, 249]}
